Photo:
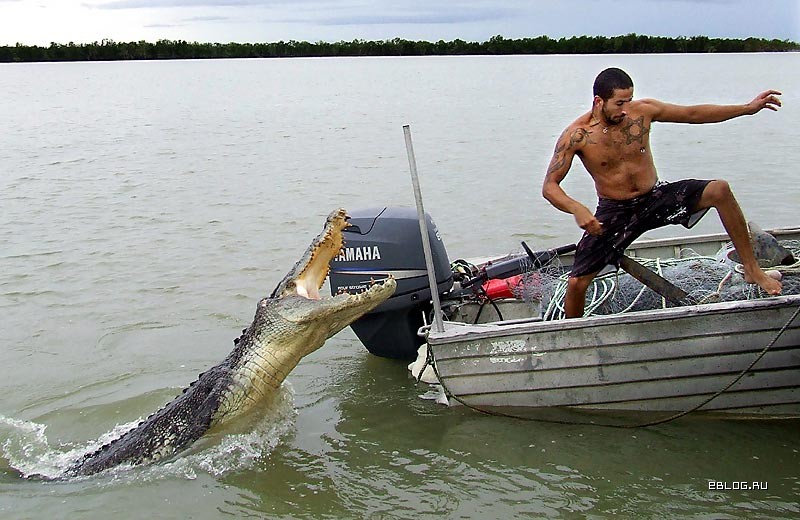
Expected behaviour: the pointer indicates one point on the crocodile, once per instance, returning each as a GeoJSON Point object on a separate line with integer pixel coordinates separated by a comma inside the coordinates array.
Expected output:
{"type": "Point", "coordinates": [291, 323]}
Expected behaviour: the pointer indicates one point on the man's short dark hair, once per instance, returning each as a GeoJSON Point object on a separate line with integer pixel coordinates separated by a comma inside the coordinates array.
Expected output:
{"type": "Point", "coordinates": [610, 79]}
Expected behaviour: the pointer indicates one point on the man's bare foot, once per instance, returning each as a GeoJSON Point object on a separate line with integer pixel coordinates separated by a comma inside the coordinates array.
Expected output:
{"type": "Point", "coordinates": [769, 284]}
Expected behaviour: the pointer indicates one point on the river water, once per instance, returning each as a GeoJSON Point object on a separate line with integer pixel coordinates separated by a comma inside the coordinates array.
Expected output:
{"type": "Point", "coordinates": [146, 207]}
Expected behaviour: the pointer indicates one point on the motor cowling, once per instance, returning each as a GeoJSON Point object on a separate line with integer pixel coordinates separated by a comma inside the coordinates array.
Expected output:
{"type": "Point", "coordinates": [380, 242]}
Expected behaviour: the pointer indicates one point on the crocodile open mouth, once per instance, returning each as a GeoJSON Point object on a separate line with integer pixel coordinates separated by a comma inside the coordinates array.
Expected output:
{"type": "Point", "coordinates": [326, 247]}
{"type": "Point", "coordinates": [308, 275]}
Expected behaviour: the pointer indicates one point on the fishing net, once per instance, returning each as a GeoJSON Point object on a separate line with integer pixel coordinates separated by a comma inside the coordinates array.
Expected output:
{"type": "Point", "coordinates": [706, 280]}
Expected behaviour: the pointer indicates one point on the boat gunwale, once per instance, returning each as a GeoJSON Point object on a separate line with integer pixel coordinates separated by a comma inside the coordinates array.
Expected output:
{"type": "Point", "coordinates": [699, 239]}
{"type": "Point", "coordinates": [459, 331]}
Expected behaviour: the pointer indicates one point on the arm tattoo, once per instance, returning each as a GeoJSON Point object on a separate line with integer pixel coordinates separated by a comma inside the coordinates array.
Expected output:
{"type": "Point", "coordinates": [556, 163]}
{"type": "Point", "coordinates": [559, 159]}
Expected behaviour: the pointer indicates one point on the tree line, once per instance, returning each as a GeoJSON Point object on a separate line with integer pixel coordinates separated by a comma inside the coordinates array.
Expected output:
{"type": "Point", "coordinates": [109, 50]}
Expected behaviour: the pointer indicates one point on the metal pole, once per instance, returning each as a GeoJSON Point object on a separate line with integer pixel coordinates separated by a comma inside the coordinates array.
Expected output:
{"type": "Point", "coordinates": [423, 229]}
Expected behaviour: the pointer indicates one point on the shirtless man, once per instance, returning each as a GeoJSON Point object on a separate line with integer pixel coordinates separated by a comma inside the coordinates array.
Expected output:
{"type": "Point", "coordinates": [613, 142]}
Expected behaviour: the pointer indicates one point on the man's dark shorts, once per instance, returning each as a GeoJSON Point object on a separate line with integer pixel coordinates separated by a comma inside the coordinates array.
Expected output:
{"type": "Point", "coordinates": [625, 220]}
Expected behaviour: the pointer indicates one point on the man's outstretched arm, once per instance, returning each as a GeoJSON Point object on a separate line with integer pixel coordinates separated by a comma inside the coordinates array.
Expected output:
{"type": "Point", "coordinates": [669, 113]}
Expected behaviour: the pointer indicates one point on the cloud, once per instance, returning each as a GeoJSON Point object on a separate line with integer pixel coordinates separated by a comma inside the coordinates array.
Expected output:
{"type": "Point", "coordinates": [183, 22]}
{"type": "Point", "coordinates": [207, 19]}
{"type": "Point", "coordinates": [432, 17]}
{"type": "Point", "coordinates": [345, 13]}
{"type": "Point", "coordinates": [150, 4]}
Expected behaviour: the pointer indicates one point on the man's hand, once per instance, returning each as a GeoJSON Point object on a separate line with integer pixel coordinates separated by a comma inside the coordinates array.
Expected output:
{"type": "Point", "coordinates": [588, 222]}
{"type": "Point", "coordinates": [768, 99]}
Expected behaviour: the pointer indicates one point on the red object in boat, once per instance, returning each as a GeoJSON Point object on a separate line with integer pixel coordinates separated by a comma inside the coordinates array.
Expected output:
{"type": "Point", "coordinates": [496, 289]}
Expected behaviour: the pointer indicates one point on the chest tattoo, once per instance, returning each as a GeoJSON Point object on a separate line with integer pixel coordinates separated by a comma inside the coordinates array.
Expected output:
{"type": "Point", "coordinates": [635, 130]}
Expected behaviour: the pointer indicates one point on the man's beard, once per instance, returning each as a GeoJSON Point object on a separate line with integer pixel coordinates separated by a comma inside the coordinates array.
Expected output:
{"type": "Point", "coordinates": [612, 121]}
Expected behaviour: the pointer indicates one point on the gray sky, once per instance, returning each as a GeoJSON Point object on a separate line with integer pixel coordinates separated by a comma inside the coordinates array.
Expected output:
{"type": "Point", "coordinates": [82, 21]}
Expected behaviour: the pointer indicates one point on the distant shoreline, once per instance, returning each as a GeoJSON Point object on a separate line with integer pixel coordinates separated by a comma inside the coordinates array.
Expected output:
{"type": "Point", "coordinates": [109, 50]}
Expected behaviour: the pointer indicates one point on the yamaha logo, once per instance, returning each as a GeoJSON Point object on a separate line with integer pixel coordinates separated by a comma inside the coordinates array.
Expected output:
{"type": "Point", "coordinates": [356, 254]}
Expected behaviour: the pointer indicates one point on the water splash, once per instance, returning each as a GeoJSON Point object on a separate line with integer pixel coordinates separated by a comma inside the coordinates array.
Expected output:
{"type": "Point", "coordinates": [237, 451]}
{"type": "Point", "coordinates": [25, 450]}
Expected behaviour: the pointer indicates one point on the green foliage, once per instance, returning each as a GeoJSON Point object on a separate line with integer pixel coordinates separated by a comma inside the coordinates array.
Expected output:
{"type": "Point", "coordinates": [109, 50]}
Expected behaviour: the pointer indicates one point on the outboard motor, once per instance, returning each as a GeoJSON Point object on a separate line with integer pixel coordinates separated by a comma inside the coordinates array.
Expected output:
{"type": "Point", "coordinates": [385, 241]}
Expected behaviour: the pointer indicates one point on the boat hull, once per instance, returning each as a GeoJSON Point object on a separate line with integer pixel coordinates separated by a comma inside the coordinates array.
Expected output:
{"type": "Point", "coordinates": [667, 360]}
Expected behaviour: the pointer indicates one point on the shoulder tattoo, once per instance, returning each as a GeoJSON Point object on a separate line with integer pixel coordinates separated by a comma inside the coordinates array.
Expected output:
{"type": "Point", "coordinates": [577, 137]}
{"type": "Point", "coordinates": [580, 136]}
